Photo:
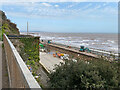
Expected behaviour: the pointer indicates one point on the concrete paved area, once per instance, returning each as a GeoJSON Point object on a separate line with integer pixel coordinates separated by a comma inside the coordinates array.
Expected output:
{"type": "Point", "coordinates": [4, 80]}
{"type": "Point", "coordinates": [48, 61]}
{"type": "Point", "coordinates": [0, 65]}
{"type": "Point", "coordinates": [43, 77]}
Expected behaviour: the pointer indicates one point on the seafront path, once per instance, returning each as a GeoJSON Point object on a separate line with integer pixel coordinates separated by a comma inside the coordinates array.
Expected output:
{"type": "Point", "coordinates": [49, 62]}
{"type": "Point", "coordinates": [4, 80]}
{"type": "Point", "coordinates": [0, 65]}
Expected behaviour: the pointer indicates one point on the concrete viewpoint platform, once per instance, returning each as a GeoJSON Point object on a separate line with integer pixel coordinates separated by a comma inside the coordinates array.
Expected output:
{"type": "Point", "coordinates": [48, 61]}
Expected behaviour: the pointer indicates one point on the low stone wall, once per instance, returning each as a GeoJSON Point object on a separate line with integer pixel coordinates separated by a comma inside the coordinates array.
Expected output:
{"type": "Point", "coordinates": [19, 75]}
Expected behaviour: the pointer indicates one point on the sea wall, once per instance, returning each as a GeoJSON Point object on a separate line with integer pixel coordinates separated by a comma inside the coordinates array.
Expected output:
{"type": "Point", "coordinates": [72, 53]}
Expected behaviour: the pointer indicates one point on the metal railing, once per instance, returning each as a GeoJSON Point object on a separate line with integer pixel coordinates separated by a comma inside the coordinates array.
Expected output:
{"type": "Point", "coordinates": [19, 74]}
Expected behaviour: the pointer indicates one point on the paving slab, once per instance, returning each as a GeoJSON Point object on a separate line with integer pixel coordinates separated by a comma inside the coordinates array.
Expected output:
{"type": "Point", "coordinates": [4, 80]}
{"type": "Point", "coordinates": [48, 61]}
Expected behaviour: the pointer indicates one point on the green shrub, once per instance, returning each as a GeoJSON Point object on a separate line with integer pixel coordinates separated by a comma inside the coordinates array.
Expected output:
{"type": "Point", "coordinates": [33, 73]}
{"type": "Point", "coordinates": [28, 62]}
{"type": "Point", "coordinates": [31, 48]}
{"type": "Point", "coordinates": [36, 67]}
{"type": "Point", "coordinates": [33, 62]}
{"type": "Point", "coordinates": [97, 74]}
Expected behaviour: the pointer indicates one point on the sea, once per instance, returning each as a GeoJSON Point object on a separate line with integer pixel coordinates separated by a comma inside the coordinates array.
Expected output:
{"type": "Point", "coordinates": [99, 41]}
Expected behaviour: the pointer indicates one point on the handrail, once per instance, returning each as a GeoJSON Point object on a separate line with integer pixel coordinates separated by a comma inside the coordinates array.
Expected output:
{"type": "Point", "coordinates": [19, 74]}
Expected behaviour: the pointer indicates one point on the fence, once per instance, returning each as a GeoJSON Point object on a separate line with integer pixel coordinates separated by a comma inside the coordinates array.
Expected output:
{"type": "Point", "coordinates": [19, 75]}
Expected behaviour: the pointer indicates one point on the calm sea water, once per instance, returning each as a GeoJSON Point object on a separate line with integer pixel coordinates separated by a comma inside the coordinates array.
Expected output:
{"type": "Point", "coordinates": [108, 42]}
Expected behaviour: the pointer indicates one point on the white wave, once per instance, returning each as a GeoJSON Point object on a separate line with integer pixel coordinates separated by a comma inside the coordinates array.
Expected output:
{"type": "Point", "coordinates": [75, 41]}
{"type": "Point", "coordinates": [61, 38]}
{"type": "Point", "coordinates": [93, 43]}
{"type": "Point", "coordinates": [111, 41]}
{"type": "Point", "coordinates": [47, 38]}
{"type": "Point", "coordinates": [85, 44]}
{"type": "Point", "coordinates": [116, 49]}
{"type": "Point", "coordinates": [104, 43]}
{"type": "Point", "coordinates": [96, 40]}
{"type": "Point", "coordinates": [85, 40]}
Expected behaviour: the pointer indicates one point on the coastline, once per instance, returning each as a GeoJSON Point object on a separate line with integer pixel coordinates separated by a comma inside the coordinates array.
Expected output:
{"type": "Point", "coordinates": [94, 50]}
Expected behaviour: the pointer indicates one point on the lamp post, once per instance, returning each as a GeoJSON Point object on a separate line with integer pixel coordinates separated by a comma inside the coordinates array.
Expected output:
{"type": "Point", "coordinates": [27, 28]}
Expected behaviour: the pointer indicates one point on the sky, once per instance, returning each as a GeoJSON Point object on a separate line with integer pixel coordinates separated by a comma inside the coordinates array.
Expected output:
{"type": "Point", "coordinates": [85, 17]}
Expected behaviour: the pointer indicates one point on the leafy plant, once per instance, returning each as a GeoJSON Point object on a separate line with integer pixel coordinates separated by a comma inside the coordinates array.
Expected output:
{"type": "Point", "coordinates": [99, 74]}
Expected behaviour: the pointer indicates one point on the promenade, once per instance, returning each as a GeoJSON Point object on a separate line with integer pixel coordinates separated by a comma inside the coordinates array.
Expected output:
{"type": "Point", "coordinates": [0, 65]}
{"type": "Point", "coordinates": [48, 61]}
{"type": "Point", "coordinates": [73, 50]}
{"type": "Point", "coordinates": [63, 47]}
{"type": "Point", "coordinates": [4, 80]}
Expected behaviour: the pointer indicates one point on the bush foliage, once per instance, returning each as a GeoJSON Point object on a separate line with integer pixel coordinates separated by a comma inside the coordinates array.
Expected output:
{"type": "Point", "coordinates": [31, 48]}
{"type": "Point", "coordinates": [30, 52]}
{"type": "Point", "coordinates": [95, 74]}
